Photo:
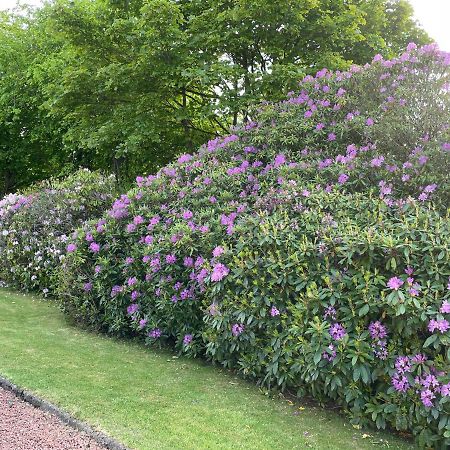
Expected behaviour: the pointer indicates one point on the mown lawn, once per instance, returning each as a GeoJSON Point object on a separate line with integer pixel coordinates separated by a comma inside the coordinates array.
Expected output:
{"type": "Point", "coordinates": [149, 399]}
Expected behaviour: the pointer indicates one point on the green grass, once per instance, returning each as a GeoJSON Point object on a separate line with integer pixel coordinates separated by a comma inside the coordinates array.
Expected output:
{"type": "Point", "coordinates": [149, 399]}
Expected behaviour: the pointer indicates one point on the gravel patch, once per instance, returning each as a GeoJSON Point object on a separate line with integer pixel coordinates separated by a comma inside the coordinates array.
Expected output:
{"type": "Point", "coordinates": [24, 427]}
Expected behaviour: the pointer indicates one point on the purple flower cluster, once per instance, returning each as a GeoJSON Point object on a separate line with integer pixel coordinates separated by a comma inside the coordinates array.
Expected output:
{"type": "Point", "coordinates": [337, 331]}
{"type": "Point", "coordinates": [237, 329]}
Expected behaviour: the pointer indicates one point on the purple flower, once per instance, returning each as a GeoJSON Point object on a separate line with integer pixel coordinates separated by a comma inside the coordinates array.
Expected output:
{"type": "Point", "coordinates": [320, 126]}
{"type": "Point", "coordinates": [220, 271]}
{"type": "Point", "coordinates": [331, 137]}
{"type": "Point", "coordinates": [377, 162]}
{"type": "Point", "coordinates": [330, 311]}
{"type": "Point", "coordinates": [430, 188]}
{"type": "Point", "coordinates": [142, 323]}
{"type": "Point", "coordinates": [423, 196]}
{"type": "Point", "coordinates": [377, 330]}
{"type": "Point", "coordinates": [342, 178]}
{"type": "Point", "coordinates": [132, 309]}
{"type": "Point", "coordinates": [138, 220]}
{"type": "Point", "coordinates": [98, 269]}
{"type": "Point", "coordinates": [129, 260]}
{"type": "Point", "coordinates": [427, 396]}
{"type": "Point", "coordinates": [171, 259]}
{"type": "Point", "coordinates": [441, 325]}
{"type": "Point", "coordinates": [445, 307]}
{"type": "Point", "coordinates": [237, 329]}
{"type": "Point", "coordinates": [337, 331]}
{"type": "Point", "coordinates": [71, 248]}
{"type": "Point", "coordinates": [395, 283]}
{"type": "Point", "coordinates": [213, 310]}
{"type": "Point", "coordinates": [419, 358]}
{"type": "Point", "coordinates": [187, 215]}
{"type": "Point", "coordinates": [369, 122]}
{"type": "Point", "coordinates": [274, 311]}
{"type": "Point", "coordinates": [94, 247]}
{"type": "Point", "coordinates": [184, 158]}
{"type": "Point", "coordinates": [201, 275]}
{"type": "Point", "coordinates": [187, 339]}
{"type": "Point", "coordinates": [445, 390]}
{"type": "Point", "coordinates": [218, 251]}
{"type": "Point", "coordinates": [330, 353]}
{"type": "Point", "coordinates": [131, 227]}
{"type": "Point", "coordinates": [402, 365]}
{"type": "Point", "coordinates": [379, 349]}
{"type": "Point", "coordinates": [400, 383]}
{"type": "Point", "coordinates": [155, 333]}
{"type": "Point", "coordinates": [87, 286]}
{"type": "Point", "coordinates": [188, 261]}
{"type": "Point", "coordinates": [148, 240]}
{"type": "Point", "coordinates": [131, 281]}
{"type": "Point", "coordinates": [135, 295]}
{"type": "Point", "coordinates": [280, 159]}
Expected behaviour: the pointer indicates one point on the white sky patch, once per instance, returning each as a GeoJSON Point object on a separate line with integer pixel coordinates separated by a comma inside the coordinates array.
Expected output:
{"type": "Point", "coordinates": [433, 15]}
{"type": "Point", "coordinates": [9, 4]}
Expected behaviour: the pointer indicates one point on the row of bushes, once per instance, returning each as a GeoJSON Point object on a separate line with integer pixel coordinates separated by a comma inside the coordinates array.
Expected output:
{"type": "Point", "coordinates": [36, 226]}
{"type": "Point", "coordinates": [309, 250]}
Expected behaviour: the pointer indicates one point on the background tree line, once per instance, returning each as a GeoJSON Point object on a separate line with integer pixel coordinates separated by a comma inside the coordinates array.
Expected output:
{"type": "Point", "coordinates": [124, 85]}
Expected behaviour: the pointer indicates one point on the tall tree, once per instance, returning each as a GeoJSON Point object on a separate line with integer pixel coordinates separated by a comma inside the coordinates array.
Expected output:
{"type": "Point", "coordinates": [124, 85]}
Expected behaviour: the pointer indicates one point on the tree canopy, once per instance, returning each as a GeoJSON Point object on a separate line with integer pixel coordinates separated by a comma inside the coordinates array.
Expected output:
{"type": "Point", "coordinates": [124, 85]}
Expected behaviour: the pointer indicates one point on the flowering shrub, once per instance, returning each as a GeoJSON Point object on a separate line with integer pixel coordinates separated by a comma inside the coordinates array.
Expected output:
{"type": "Point", "coordinates": [34, 228]}
{"type": "Point", "coordinates": [309, 249]}
{"type": "Point", "coordinates": [353, 306]}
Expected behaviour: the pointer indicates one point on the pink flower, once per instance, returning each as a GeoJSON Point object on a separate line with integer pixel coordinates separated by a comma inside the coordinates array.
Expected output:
{"type": "Point", "coordinates": [237, 329]}
{"type": "Point", "coordinates": [171, 259]}
{"type": "Point", "coordinates": [377, 57]}
{"type": "Point", "coordinates": [187, 215]}
{"type": "Point", "coordinates": [395, 283]}
{"type": "Point", "coordinates": [218, 251]}
{"type": "Point", "coordinates": [441, 325]}
{"type": "Point", "coordinates": [274, 311]}
{"type": "Point", "coordinates": [94, 247]}
{"type": "Point", "coordinates": [71, 248]}
{"type": "Point", "coordinates": [342, 178]}
{"type": "Point", "coordinates": [220, 271]}
{"type": "Point", "coordinates": [280, 159]}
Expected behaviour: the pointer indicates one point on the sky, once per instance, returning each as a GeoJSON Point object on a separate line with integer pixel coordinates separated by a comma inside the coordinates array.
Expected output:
{"type": "Point", "coordinates": [433, 15]}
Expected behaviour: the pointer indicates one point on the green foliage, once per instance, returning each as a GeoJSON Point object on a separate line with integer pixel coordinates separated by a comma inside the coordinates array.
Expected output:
{"type": "Point", "coordinates": [35, 226]}
{"type": "Point", "coordinates": [309, 250]}
{"type": "Point", "coordinates": [289, 289]}
{"type": "Point", "coordinates": [175, 403]}
{"type": "Point", "coordinates": [124, 86]}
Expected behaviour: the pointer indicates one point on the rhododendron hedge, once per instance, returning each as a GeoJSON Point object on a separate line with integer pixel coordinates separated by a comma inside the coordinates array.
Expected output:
{"type": "Point", "coordinates": [308, 250]}
{"type": "Point", "coordinates": [34, 226]}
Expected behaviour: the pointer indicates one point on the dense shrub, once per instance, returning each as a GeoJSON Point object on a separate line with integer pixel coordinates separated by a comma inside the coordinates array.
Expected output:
{"type": "Point", "coordinates": [35, 226]}
{"type": "Point", "coordinates": [308, 250]}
